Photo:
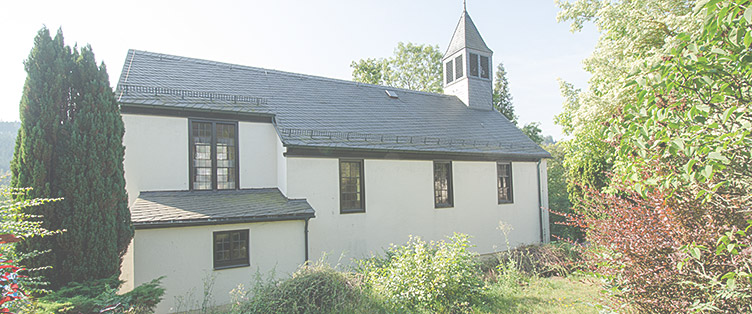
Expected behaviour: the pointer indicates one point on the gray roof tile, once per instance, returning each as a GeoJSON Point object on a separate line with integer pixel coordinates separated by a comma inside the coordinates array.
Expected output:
{"type": "Point", "coordinates": [304, 104]}
{"type": "Point", "coordinates": [466, 35]}
{"type": "Point", "coordinates": [175, 208]}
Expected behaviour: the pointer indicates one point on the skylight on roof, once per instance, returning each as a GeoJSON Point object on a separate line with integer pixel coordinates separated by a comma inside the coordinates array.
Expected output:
{"type": "Point", "coordinates": [391, 94]}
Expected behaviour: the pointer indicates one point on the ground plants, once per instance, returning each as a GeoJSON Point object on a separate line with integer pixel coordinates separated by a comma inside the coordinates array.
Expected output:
{"type": "Point", "coordinates": [436, 277]}
{"type": "Point", "coordinates": [100, 296]}
{"type": "Point", "coordinates": [314, 288]}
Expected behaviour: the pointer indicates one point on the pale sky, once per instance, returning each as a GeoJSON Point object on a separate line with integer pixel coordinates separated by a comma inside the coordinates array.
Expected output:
{"type": "Point", "coordinates": [312, 37]}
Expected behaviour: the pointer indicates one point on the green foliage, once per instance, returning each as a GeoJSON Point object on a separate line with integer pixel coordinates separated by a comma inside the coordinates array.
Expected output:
{"type": "Point", "coordinates": [97, 295]}
{"type": "Point", "coordinates": [502, 97]}
{"type": "Point", "coordinates": [314, 288]}
{"type": "Point", "coordinates": [413, 66]}
{"type": "Point", "coordinates": [437, 276]}
{"type": "Point", "coordinates": [632, 33]}
{"type": "Point", "coordinates": [687, 134]}
{"type": "Point", "coordinates": [533, 131]}
{"type": "Point", "coordinates": [70, 146]}
{"type": "Point", "coordinates": [558, 198]}
{"type": "Point", "coordinates": [14, 221]}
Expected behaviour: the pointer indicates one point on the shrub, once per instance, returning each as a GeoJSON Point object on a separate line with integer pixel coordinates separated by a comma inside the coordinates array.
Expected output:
{"type": "Point", "coordinates": [100, 295]}
{"type": "Point", "coordinates": [637, 242]}
{"type": "Point", "coordinates": [437, 276]}
{"type": "Point", "coordinates": [314, 288]}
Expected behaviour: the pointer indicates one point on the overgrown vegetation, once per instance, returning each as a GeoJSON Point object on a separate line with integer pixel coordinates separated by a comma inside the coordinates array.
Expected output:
{"type": "Point", "coordinates": [314, 288]}
{"type": "Point", "coordinates": [99, 296]}
{"type": "Point", "coordinates": [434, 277]}
{"type": "Point", "coordinates": [666, 206]}
{"type": "Point", "coordinates": [431, 277]}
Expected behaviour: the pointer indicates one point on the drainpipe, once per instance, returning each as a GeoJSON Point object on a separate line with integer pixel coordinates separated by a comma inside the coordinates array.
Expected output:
{"type": "Point", "coordinates": [540, 202]}
{"type": "Point", "coordinates": [305, 235]}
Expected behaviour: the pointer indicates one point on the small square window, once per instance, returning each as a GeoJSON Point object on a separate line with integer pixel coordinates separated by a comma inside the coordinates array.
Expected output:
{"type": "Point", "coordinates": [231, 249]}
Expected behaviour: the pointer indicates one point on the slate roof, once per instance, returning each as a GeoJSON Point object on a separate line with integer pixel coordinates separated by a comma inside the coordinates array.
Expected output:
{"type": "Point", "coordinates": [466, 35]}
{"type": "Point", "coordinates": [180, 208]}
{"type": "Point", "coordinates": [319, 112]}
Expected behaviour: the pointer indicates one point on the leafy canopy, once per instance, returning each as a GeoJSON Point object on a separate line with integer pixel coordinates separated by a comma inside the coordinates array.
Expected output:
{"type": "Point", "coordinates": [413, 66]}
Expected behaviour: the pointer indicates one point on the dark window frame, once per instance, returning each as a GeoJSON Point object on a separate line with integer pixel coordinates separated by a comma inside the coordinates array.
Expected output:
{"type": "Point", "coordinates": [449, 69]}
{"type": "Point", "coordinates": [213, 152]}
{"type": "Point", "coordinates": [510, 180]}
{"type": "Point", "coordinates": [362, 207]}
{"type": "Point", "coordinates": [437, 202]}
{"type": "Point", "coordinates": [485, 71]}
{"type": "Point", "coordinates": [244, 261]}
{"type": "Point", "coordinates": [458, 67]}
{"type": "Point", "coordinates": [475, 66]}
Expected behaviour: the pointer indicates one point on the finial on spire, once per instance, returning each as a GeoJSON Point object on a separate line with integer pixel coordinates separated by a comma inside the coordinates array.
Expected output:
{"type": "Point", "coordinates": [464, 5]}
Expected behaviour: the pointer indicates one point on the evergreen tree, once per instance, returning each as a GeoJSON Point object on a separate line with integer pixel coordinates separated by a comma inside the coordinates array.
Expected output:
{"type": "Point", "coordinates": [86, 157]}
{"type": "Point", "coordinates": [33, 164]}
{"type": "Point", "coordinates": [502, 98]}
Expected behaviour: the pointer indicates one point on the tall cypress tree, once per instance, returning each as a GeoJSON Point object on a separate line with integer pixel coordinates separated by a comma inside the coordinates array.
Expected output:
{"type": "Point", "coordinates": [45, 97]}
{"type": "Point", "coordinates": [87, 171]}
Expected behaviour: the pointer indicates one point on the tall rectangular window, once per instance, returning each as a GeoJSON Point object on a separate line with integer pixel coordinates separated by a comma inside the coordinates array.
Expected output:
{"type": "Point", "coordinates": [213, 155]}
{"type": "Point", "coordinates": [458, 67]}
{"type": "Point", "coordinates": [504, 183]}
{"type": "Point", "coordinates": [351, 188]}
{"type": "Point", "coordinates": [231, 249]}
{"type": "Point", "coordinates": [449, 73]}
{"type": "Point", "coordinates": [473, 65]}
{"type": "Point", "coordinates": [442, 184]}
{"type": "Point", "coordinates": [484, 69]}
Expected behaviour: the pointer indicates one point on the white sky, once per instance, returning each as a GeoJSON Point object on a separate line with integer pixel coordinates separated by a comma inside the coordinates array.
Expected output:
{"type": "Point", "coordinates": [313, 37]}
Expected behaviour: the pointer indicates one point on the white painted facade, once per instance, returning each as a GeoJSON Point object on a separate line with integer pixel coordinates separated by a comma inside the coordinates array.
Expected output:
{"type": "Point", "coordinates": [184, 256]}
{"type": "Point", "coordinates": [398, 202]}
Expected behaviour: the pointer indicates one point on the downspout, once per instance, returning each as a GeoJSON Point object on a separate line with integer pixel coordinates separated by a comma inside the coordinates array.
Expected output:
{"type": "Point", "coordinates": [540, 202]}
{"type": "Point", "coordinates": [305, 235]}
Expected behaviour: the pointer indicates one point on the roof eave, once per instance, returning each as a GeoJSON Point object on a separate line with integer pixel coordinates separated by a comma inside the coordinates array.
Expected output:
{"type": "Point", "coordinates": [220, 221]}
{"type": "Point", "coordinates": [329, 151]}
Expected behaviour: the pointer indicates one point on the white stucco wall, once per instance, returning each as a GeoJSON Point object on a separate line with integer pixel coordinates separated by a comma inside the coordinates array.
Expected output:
{"type": "Point", "coordinates": [156, 154]}
{"type": "Point", "coordinates": [184, 256]}
{"type": "Point", "coordinates": [258, 155]}
{"type": "Point", "coordinates": [399, 203]}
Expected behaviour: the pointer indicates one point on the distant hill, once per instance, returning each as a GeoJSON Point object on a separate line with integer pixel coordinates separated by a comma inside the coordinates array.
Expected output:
{"type": "Point", "coordinates": [8, 132]}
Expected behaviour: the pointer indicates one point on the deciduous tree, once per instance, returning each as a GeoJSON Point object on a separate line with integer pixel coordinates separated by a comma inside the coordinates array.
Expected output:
{"type": "Point", "coordinates": [413, 66]}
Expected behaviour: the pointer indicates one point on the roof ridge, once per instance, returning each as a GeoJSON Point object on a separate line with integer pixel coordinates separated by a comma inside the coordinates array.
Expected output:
{"type": "Point", "coordinates": [280, 72]}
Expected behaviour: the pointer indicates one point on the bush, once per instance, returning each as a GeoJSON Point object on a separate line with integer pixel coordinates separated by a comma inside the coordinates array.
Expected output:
{"type": "Point", "coordinates": [314, 288]}
{"type": "Point", "coordinates": [637, 242]}
{"type": "Point", "coordinates": [436, 277]}
{"type": "Point", "coordinates": [97, 296]}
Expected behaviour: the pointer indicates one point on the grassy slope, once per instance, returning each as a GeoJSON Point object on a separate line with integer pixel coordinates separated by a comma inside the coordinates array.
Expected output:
{"type": "Point", "coordinates": [572, 294]}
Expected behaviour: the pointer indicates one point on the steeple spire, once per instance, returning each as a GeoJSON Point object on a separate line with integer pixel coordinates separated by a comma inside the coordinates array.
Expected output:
{"type": "Point", "coordinates": [467, 65]}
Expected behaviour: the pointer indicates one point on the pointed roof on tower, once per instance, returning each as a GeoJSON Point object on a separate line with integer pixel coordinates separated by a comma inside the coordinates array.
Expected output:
{"type": "Point", "coordinates": [466, 35]}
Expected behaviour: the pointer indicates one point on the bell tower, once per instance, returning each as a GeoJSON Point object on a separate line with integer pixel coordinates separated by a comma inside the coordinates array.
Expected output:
{"type": "Point", "coordinates": [467, 66]}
